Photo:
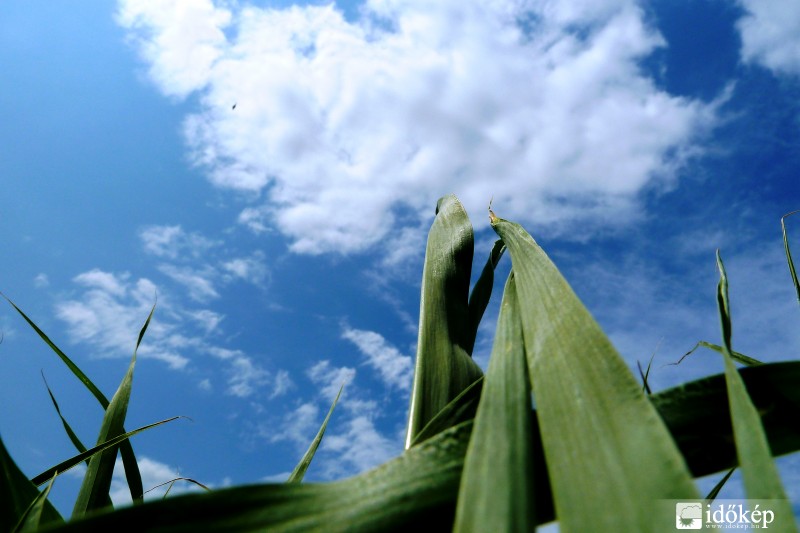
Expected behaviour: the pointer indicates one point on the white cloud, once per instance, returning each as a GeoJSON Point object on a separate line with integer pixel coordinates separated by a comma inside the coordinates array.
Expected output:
{"type": "Point", "coordinates": [352, 129]}
{"type": "Point", "coordinates": [395, 369]}
{"type": "Point", "coordinates": [41, 281]}
{"type": "Point", "coordinates": [111, 310]}
{"type": "Point", "coordinates": [353, 442]}
{"type": "Point", "coordinates": [246, 377]}
{"type": "Point", "coordinates": [199, 282]}
{"type": "Point", "coordinates": [110, 313]}
{"type": "Point", "coordinates": [251, 269]}
{"type": "Point", "coordinates": [172, 242]}
{"type": "Point", "coordinates": [360, 446]}
{"type": "Point", "coordinates": [770, 33]}
{"type": "Point", "coordinates": [331, 378]}
{"type": "Point", "coordinates": [180, 40]}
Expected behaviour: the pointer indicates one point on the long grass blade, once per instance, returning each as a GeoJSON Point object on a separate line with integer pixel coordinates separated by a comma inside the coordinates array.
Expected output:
{"type": "Point", "coordinates": [739, 357]}
{"type": "Point", "coordinates": [497, 486]}
{"type": "Point", "coordinates": [67, 361]}
{"type": "Point", "coordinates": [300, 470]}
{"type": "Point", "coordinates": [63, 466]}
{"type": "Point", "coordinates": [17, 493]}
{"type": "Point", "coordinates": [172, 482]}
{"type": "Point", "coordinates": [482, 292]}
{"type": "Point", "coordinates": [34, 515]}
{"type": "Point", "coordinates": [596, 423]}
{"type": "Point", "coordinates": [786, 247]}
{"type": "Point", "coordinates": [93, 493]}
{"type": "Point", "coordinates": [70, 433]}
{"type": "Point", "coordinates": [444, 367]}
{"type": "Point", "coordinates": [760, 475]}
{"type": "Point", "coordinates": [698, 415]}
{"type": "Point", "coordinates": [713, 493]}
{"type": "Point", "coordinates": [132, 474]}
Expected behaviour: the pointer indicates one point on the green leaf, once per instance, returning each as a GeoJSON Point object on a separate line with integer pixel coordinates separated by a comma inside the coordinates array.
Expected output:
{"type": "Point", "coordinates": [497, 485]}
{"type": "Point", "coordinates": [792, 270]}
{"type": "Point", "coordinates": [91, 452]}
{"type": "Point", "coordinates": [132, 474]}
{"type": "Point", "coordinates": [698, 415]}
{"type": "Point", "coordinates": [740, 357]}
{"type": "Point", "coordinates": [461, 409]}
{"type": "Point", "coordinates": [300, 470]}
{"type": "Point", "coordinates": [94, 490]}
{"type": "Point", "coordinates": [482, 292]}
{"type": "Point", "coordinates": [17, 493]}
{"type": "Point", "coordinates": [416, 489]}
{"type": "Point", "coordinates": [444, 367]}
{"type": "Point", "coordinates": [760, 475]}
{"type": "Point", "coordinates": [70, 433]}
{"type": "Point", "coordinates": [596, 423]}
{"type": "Point", "coordinates": [34, 516]}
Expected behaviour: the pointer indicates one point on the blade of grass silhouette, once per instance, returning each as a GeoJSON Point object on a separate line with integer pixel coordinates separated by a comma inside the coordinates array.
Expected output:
{"type": "Point", "coordinates": [739, 357]}
{"type": "Point", "coordinates": [300, 470]}
{"type": "Point", "coordinates": [132, 474]}
{"type": "Point", "coordinates": [32, 519]}
{"type": "Point", "coordinates": [788, 251]}
{"type": "Point", "coordinates": [171, 482]}
{"type": "Point", "coordinates": [96, 484]}
{"type": "Point", "coordinates": [70, 433]}
{"type": "Point", "coordinates": [63, 466]}
{"type": "Point", "coordinates": [761, 479]}
{"type": "Point", "coordinates": [712, 495]}
{"type": "Point", "coordinates": [482, 293]}
{"type": "Point", "coordinates": [17, 493]}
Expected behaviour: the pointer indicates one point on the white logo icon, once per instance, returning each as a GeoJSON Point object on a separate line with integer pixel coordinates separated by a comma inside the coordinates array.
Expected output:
{"type": "Point", "coordinates": [688, 515]}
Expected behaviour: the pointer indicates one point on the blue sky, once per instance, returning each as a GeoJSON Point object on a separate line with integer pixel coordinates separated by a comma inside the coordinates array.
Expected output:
{"type": "Point", "coordinates": [284, 238]}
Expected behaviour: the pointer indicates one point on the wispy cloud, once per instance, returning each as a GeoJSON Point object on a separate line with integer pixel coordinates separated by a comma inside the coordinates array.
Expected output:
{"type": "Point", "coordinates": [395, 369]}
{"type": "Point", "coordinates": [351, 128]}
{"type": "Point", "coordinates": [353, 441]}
{"type": "Point", "coordinates": [770, 33]}
{"type": "Point", "coordinates": [111, 308]}
{"type": "Point", "coordinates": [171, 242]}
{"type": "Point", "coordinates": [251, 269]}
{"type": "Point", "coordinates": [199, 282]}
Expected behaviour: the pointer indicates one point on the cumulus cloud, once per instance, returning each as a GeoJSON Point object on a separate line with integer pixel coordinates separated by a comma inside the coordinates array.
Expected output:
{"type": "Point", "coordinates": [770, 33]}
{"type": "Point", "coordinates": [395, 369]}
{"type": "Point", "coordinates": [351, 129]}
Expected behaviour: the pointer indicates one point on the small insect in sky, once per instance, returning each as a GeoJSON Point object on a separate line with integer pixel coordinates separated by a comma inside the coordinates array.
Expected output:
{"type": "Point", "coordinates": [234, 107]}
